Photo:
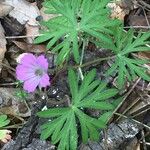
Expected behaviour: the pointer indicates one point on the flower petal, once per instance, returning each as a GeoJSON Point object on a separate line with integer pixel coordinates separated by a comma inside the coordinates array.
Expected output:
{"type": "Point", "coordinates": [29, 60]}
{"type": "Point", "coordinates": [31, 84]}
{"type": "Point", "coordinates": [44, 81]}
{"type": "Point", "coordinates": [23, 72]}
{"type": "Point", "coordinates": [42, 61]}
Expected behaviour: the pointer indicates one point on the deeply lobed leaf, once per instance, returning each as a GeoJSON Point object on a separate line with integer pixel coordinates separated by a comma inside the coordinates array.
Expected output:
{"type": "Point", "coordinates": [73, 18]}
{"type": "Point", "coordinates": [124, 65]}
{"type": "Point", "coordinates": [64, 125]}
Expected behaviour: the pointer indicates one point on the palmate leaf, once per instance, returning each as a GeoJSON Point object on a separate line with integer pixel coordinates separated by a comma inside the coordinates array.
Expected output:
{"type": "Point", "coordinates": [65, 122]}
{"type": "Point", "coordinates": [124, 65]}
{"type": "Point", "coordinates": [74, 17]}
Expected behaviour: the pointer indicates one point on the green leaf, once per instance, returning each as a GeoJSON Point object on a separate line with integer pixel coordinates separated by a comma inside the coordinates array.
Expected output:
{"type": "Point", "coordinates": [3, 121]}
{"type": "Point", "coordinates": [112, 69]}
{"type": "Point", "coordinates": [105, 117]}
{"type": "Point", "coordinates": [126, 67]}
{"type": "Point", "coordinates": [121, 75]}
{"type": "Point", "coordinates": [73, 84]}
{"type": "Point", "coordinates": [53, 112]}
{"type": "Point", "coordinates": [100, 96]}
{"type": "Point", "coordinates": [74, 19]}
{"type": "Point", "coordinates": [44, 37]}
{"type": "Point", "coordinates": [97, 105]}
{"type": "Point", "coordinates": [64, 122]}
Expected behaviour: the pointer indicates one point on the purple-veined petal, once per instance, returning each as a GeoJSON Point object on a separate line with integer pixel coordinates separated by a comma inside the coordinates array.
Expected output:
{"type": "Point", "coordinates": [29, 60]}
{"type": "Point", "coordinates": [42, 62]}
{"type": "Point", "coordinates": [23, 73]}
{"type": "Point", "coordinates": [44, 81]}
{"type": "Point", "coordinates": [31, 84]}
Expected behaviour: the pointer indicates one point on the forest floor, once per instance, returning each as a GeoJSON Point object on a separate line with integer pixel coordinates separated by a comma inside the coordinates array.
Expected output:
{"type": "Point", "coordinates": [128, 130]}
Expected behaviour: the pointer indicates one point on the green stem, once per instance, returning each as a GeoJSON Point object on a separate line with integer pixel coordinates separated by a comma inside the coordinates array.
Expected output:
{"type": "Point", "coordinates": [81, 60]}
{"type": "Point", "coordinates": [81, 66]}
{"type": "Point", "coordinates": [94, 62]}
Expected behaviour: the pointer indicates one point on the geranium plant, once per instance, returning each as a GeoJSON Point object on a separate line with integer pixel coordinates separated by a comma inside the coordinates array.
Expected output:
{"type": "Point", "coordinates": [74, 22]}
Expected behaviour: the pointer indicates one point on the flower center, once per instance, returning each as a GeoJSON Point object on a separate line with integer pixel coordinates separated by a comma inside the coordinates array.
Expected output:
{"type": "Point", "coordinates": [38, 72]}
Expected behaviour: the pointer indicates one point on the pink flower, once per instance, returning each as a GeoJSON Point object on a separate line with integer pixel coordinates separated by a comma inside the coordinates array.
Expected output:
{"type": "Point", "coordinates": [33, 72]}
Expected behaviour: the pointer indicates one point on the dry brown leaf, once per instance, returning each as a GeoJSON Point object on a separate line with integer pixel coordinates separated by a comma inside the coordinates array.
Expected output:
{"type": "Point", "coordinates": [24, 11]}
{"type": "Point", "coordinates": [136, 20]}
{"type": "Point", "coordinates": [144, 55]}
{"type": "Point", "coordinates": [3, 43]}
{"type": "Point", "coordinates": [31, 32]}
{"type": "Point", "coordinates": [5, 9]}
{"type": "Point", "coordinates": [117, 11]}
{"type": "Point", "coordinates": [30, 47]}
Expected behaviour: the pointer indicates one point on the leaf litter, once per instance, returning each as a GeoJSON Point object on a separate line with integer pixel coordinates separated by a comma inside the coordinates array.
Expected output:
{"type": "Point", "coordinates": [26, 13]}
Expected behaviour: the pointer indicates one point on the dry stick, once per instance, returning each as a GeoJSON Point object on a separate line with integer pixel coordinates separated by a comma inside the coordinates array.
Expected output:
{"type": "Point", "coordinates": [106, 139]}
{"type": "Point", "coordinates": [144, 3]}
{"type": "Point", "coordinates": [143, 139]}
{"type": "Point", "coordinates": [144, 8]}
{"type": "Point", "coordinates": [9, 67]}
{"type": "Point", "coordinates": [8, 84]}
{"type": "Point", "coordinates": [146, 143]}
{"type": "Point", "coordinates": [22, 36]}
{"type": "Point", "coordinates": [142, 27]}
{"type": "Point", "coordinates": [127, 94]}
{"type": "Point", "coordinates": [19, 125]}
{"type": "Point", "coordinates": [135, 102]}
{"type": "Point", "coordinates": [138, 122]}
{"type": "Point", "coordinates": [146, 17]}
{"type": "Point", "coordinates": [141, 112]}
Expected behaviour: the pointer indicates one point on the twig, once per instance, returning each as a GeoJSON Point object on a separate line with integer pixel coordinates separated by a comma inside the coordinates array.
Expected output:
{"type": "Point", "coordinates": [8, 84]}
{"type": "Point", "coordinates": [105, 139]}
{"type": "Point", "coordinates": [141, 27]}
{"type": "Point", "coordinates": [146, 143]}
{"type": "Point", "coordinates": [143, 139]}
{"type": "Point", "coordinates": [144, 3]}
{"type": "Point", "coordinates": [9, 67]}
{"type": "Point", "coordinates": [135, 102]}
{"type": "Point", "coordinates": [146, 17]}
{"type": "Point", "coordinates": [141, 112]}
{"type": "Point", "coordinates": [19, 125]}
{"type": "Point", "coordinates": [22, 36]}
{"type": "Point", "coordinates": [138, 122]}
{"type": "Point", "coordinates": [127, 94]}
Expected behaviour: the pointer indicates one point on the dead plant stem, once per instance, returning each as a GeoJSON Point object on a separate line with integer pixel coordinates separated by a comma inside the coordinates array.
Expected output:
{"type": "Point", "coordinates": [127, 94]}
{"type": "Point", "coordinates": [138, 122]}
{"type": "Point", "coordinates": [7, 66]}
